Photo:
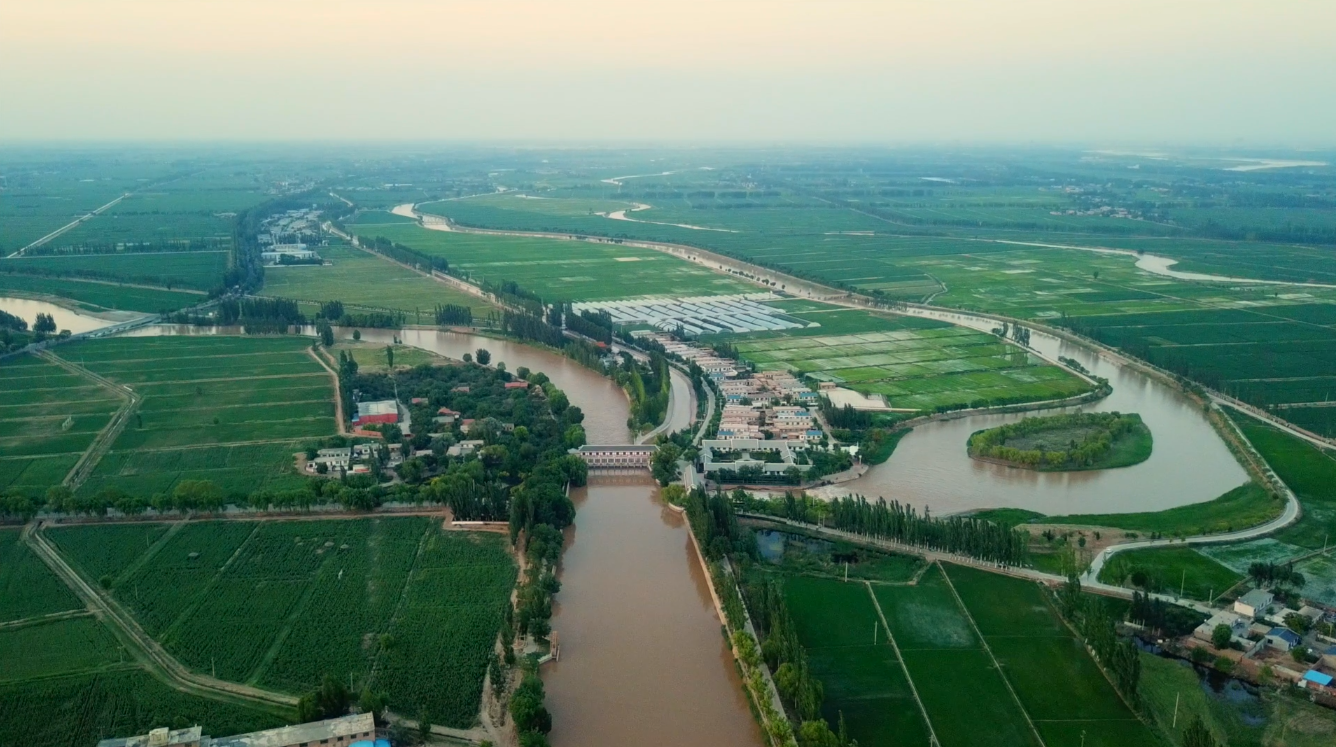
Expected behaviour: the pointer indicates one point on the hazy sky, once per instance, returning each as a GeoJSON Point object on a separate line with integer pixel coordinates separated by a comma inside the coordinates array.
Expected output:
{"type": "Point", "coordinates": [895, 71]}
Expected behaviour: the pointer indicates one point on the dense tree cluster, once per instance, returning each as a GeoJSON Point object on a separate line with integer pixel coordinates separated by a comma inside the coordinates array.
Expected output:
{"type": "Point", "coordinates": [13, 332]}
{"type": "Point", "coordinates": [594, 325]}
{"type": "Point", "coordinates": [532, 327]}
{"type": "Point", "coordinates": [257, 315]}
{"type": "Point", "coordinates": [1169, 620]}
{"type": "Point", "coordinates": [1276, 575]}
{"type": "Point", "coordinates": [454, 314]}
{"type": "Point", "coordinates": [1100, 429]}
{"type": "Point", "coordinates": [781, 648]}
{"type": "Point", "coordinates": [1090, 616]}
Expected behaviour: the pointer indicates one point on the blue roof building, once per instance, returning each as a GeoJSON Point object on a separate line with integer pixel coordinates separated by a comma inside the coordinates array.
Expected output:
{"type": "Point", "coordinates": [1283, 638]}
{"type": "Point", "coordinates": [1317, 678]}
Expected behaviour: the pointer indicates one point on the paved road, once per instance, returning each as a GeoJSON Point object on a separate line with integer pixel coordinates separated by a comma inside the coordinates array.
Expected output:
{"type": "Point", "coordinates": [68, 226]}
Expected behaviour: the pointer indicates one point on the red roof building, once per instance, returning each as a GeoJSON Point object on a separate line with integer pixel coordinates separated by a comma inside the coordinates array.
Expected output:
{"type": "Point", "coordinates": [517, 385]}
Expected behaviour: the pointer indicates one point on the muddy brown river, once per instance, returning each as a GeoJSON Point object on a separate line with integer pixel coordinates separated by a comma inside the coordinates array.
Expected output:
{"type": "Point", "coordinates": [1190, 463]}
{"type": "Point", "coordinates": [643, 659]}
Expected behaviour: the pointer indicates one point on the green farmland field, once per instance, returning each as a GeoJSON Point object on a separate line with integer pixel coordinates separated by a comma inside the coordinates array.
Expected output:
{"type": "Point", "coordinates": [1020, 250]}
{"type": "Point", "coordinates": [953, 674]}
{"type": "Point", "coordinates": [27, 587]}
{"type": "Point", "coordinates": [365, 280]}
{"type": "Point", "coordinates": [1309, 471]}
{"type": "Point", "coordinates": [1278, 357]}
{"type": "Point", "coordinates": [1057, 686]}
{"type": "Point", "coordinates": [195, 270]}
{"type": "Point", "coordinates": [99, 294]}
{"type": "Point", "coordinates": [282, 604]}
{"type": "Point", "coordinates": [80, 709]}
{"type": "Point", "coordinates": [227, 409]}
{"type": "Point", "coordinates": [1172, 569]}
{"type": "Point", "coordinates": [1057, 682]}
{"type": "Point", "coordinates": [560, 270]}
{"type": "Point", "coordinates": [48, 417]}
{"type": "Point", "coordinates": [863, 681]}
{"type": "Point", "coordinates": [913, 363]}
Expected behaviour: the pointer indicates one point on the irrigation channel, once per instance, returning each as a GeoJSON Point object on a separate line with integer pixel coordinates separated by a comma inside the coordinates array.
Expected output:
{"type": "Point", "coordinates": [1190, 463]}
{"type": "Point", "coordinates": [642, 658]}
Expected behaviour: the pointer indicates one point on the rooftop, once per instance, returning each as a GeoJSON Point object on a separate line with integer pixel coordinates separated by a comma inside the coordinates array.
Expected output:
{"type": "Point", "coordinates": [361, 724]}
{"type": "Point", "coordinates": [1257, 598]}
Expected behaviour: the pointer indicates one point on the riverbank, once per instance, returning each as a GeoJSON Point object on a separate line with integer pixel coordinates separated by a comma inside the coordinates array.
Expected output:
{"type": "Point", "coordinates": [1065, 443]}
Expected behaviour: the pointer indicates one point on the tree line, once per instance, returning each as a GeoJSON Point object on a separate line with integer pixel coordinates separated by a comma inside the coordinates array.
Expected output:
{"type": "Point", "coordinates": [1090, 616]}
{"type": "Point", "coordinates": [981, 539]}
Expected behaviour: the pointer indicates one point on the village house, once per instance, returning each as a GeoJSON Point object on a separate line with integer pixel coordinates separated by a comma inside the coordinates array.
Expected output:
{"type": "Point", "coordinates": [446, 416]}
{"type": "Point", "coordinates": [382, 411]}
{"type": "Point", "coordinates": [1282, 639]}
{"type": "Point", "coordinates": [463, 448]}
{"type": "Point", "coordinates": [1237, 624]}
{"type": "Point", "coordinates": [1254, 604]}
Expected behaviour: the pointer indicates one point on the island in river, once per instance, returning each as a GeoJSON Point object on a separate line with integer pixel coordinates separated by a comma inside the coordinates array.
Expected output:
{"type": "Point", "coordinates": [1066, 443]}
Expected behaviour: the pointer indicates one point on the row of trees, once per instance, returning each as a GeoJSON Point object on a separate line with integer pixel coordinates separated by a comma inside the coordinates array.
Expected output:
{"type": "Point", "coordinates": [454, 314]}
{"type": "Point", "coordinates": [977, 538]}
{"type": "Point", "coordinates": [1090, 616]}
{"type": "Point", "coordinates": [594, 325]}
{"type": "Point", "coordinates": [726, 544]}
{"type": "Point", "coordinates": [403, 254]}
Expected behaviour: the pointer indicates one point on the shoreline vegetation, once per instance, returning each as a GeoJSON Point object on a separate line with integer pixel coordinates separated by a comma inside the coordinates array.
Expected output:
{"type": "Point", "coordinates": [1066, 443]}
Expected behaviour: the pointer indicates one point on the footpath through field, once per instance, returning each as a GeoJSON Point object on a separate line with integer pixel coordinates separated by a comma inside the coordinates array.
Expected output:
{"type": "Point", "coordinates": [102, 443]}
{"type": "Point", "coordinates": [146, 650]}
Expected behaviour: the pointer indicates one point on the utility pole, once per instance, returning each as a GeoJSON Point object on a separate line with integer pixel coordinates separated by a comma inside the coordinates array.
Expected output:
{"type": "Point", "coordinates": [1176, 697]}
{"type": "Point", "coordinates": [1184, 585]}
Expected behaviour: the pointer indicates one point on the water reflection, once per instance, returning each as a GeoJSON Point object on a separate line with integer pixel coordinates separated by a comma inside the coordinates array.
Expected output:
{"type": "Point", "coordinates": [1189, 464]}
{"type": "Point", "coordinates": [75, 321]}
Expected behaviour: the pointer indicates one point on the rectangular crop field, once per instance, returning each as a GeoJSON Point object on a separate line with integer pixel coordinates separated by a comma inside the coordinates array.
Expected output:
{"type": "Point", "coordinates": [563, 270]}
{"type": "Point", "coordinates": [55, 647]}
{"type": "Point", "coordinates": [1309, 471]}
{"type": "Point", "coordinates": [1057, 682]}
{"type": "Point", "coordinates": [366, 281]}
{"type": "Point", "coordinates": [227, 409]}
{"type": "Point", "coordinates": [80, 709]}
{"type": "Point", "coordinates": [863, 680]}
{"type": "Point", "coordinates": [100, 294]}
{"type": "Point", "coordinates": [27, 587]}
{"type": "Point", "coordinates": [48, 418]}
{"type": "Point", "coordinates": [201, 270]}
{"type": "Point", "coordinates": [949, 666]}
{"type": "Point", "coordinates": [396, 604]}
{"type": "Point", "coordinates": [1280, 357]}
{"type": "Point", "coordinates": [913, 363]}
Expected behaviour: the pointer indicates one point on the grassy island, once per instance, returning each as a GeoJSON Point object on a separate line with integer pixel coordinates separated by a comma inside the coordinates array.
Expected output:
{"type": "Point", "coordinates": [1065, 443]}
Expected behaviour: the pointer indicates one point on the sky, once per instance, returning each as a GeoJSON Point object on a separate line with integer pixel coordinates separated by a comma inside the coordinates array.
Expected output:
{"type": "Point", "coordinates": [1210, 72]}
